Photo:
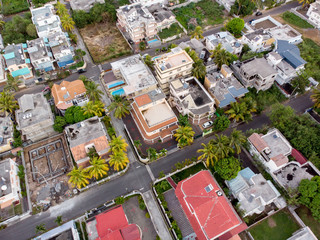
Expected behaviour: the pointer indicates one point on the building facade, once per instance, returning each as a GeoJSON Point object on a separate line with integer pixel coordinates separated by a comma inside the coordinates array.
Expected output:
{"type": "Point", "coordinates": [314, 13]}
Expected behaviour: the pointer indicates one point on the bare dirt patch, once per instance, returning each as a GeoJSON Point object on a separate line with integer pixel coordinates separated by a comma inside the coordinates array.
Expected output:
{"type": "Point", "coordinates": [104, 41]}
{"type": "Point", "coordinates": [271, 222]}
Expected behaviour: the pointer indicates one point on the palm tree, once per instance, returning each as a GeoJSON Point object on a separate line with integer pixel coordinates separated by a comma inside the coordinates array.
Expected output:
{"type": "Point", "coordinates": [78, 177]}
{"type": "Point", "coordinates": [91, 108]}
{"type": "Point", "coordinates": [137, 144]}
{"type": "Point", "coordinates": [67, 23]}
{"type": "Point", "coordinates": [197, 33]}
{"type": "Point", "coordinates": [93, 91]}
{"type": "Point", "coordinates": [98, 168]}
{"type": "Point", "coordinates": [316, 97]}
{"type": "Point", "coordinates": [184, 135]}
{"type": "Point", "coordinates": [199, 70]}
{"type": "Point", "coordinates": [238, 111]}
{"type": "Point", "coordinates": [7, 102]}
{"type": "Point", "coordinates": [251, 104]}
{"type": "Point", "coordinates": [61, 9]}
{"type": "Point", "coordinates": [118, 144]}
{"type": "Point", "coordinates": [221, 146]}
{"type": "Point", "coordinates": [221, 56]}
{"type": "Point", "coordinates": [152, 153]}
{"type": "Point", "coordinates": [208, 154]}
{"type": "Point", "coordinates": [120, 105]}
{"type": "Point", "coordinates": [12, 83]}
{"type": "Point", "coordinates": [237, 139]}
{"type": "Point", "coordinates": [119, 160]}
{"type": "Point", "coordinates": [40, 228]}
{"type": "Point", "coordinates": [305, 3]}
{"type": "Point", "coordinates": [84, 79]}
{"type": "Point", "coordinates": [58, 220]}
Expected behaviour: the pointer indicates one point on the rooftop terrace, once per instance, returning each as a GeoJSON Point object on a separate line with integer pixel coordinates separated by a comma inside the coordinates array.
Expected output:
{"type": "Point", "coordinates": [5, 182]}
{"type": "Point", "coordinates": [277, 143]}
{"type": "Point", "coordinates": [176, 58]}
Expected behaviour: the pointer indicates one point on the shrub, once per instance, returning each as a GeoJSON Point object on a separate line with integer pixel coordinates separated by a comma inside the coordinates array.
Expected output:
{"type": "Point", "coordinates": [59, 123]}
{"type": "Point", "coordinates": [147, 215]}
{"type": "Point", "coordinates": [173, 30]}
{"type": "Point", "coordinates": [221, 123]}
{"type": "Point", "coordinates": [119, 200]}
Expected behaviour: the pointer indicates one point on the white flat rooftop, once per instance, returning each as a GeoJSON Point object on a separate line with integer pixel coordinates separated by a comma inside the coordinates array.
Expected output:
{"type": "Point", "coordinates": [277, 143]}
{"type": "Point", "coordinates": [157, 114]}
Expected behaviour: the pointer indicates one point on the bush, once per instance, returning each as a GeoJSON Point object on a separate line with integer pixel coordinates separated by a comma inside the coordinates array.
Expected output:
{"type": "Point", "coordinates": [17, 140]}
{"type": "Point", "coordinates": [147, 215]}
{"type": "Point", "coordinates": [228, 168]}
{"type": "Point", "coordinates": [295, 20]}
{"type": "Point", "coordinates": [142, 205]}
{"type": "Point", "coordinates": [14, 6]}
{"type": "Point", "coordinates": [59, 124]}
{"type": "Point", "coordinates": [75, 114]}
{"type": "Point", "coordinates": [310, 52]}
{"type": "Point", "coordinates": [119, 200]}
{"type": "Point", "coordinates": [173, 30]}
{"type": "Point", "coordinates": [221, 123]}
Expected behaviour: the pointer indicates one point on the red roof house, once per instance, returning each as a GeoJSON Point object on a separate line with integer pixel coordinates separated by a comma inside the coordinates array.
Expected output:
{"type": "Point", "coordinates": [113, 225]}
{"type": "Point", "coordinates": [207, 209]}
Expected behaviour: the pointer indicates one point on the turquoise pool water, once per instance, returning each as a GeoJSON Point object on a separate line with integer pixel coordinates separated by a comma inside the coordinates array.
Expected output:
{"type": "Point", "coordinates": [153, 40]}
{"type": "Point", "coordinates": [115, 84]}
{"type": "Point", "coordinates": [118, 92]}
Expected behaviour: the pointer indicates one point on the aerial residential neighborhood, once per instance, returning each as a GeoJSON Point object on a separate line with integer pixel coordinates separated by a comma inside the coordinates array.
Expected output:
{"type": "Point", "coordinates": [159, 120]}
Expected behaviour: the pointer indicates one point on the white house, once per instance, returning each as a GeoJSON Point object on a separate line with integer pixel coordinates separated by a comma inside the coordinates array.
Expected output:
{"type": "Point", "coordinates": [314, 13]}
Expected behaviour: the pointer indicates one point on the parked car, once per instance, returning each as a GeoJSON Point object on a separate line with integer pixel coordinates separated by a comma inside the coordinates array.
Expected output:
{"type": "Point", "coordinates": [258, 13]}
{"type": "Point", "coordinates": [82, 70]}
{"type": "Point", "coordinates": [46, 90]}
{"type": "Point", "coordinates": [131, 42]}
{"type": "Point", "coordinates": [250, 22]}
{"type": "Point", "coordinates": [207, 124]}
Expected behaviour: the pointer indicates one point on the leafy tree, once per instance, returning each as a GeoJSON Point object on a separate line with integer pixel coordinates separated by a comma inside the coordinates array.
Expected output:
{"type": "Point", "coordinates": [221, 123]}
{"type": "Point", "coordinates": [235, 26]}
{"type": "Point", "coordinates": [142, 45]}
{"type": "Point", "coordinates": [2, 23]}
{"type": "Point", "coordinates": [208, 154]}
{"type": "Point", "coordinates": [93, 91]}
{"type": "Point", "coordinates": [242, 8]}
{"type": "Point", "coordinates": [228, 168]}
{"type": "Point", "coordinates": [93, 109]}
{"type": "Point", "coordinates": [300, 82]}
{"type": "Point", "coordinates": [67, 23]}
{"type": "Point", "coordinates": [98, 168]}
{"type": "Point", "coordinates": [183, 120]}
{"type": "Point", "coordinates": [59, 220]}
{"type": "Point", "coordinates": [316, 97]}
{"type": "Point", "coordinates": [74, 114]}
{"type": "Point", "coordinates": [118, 160]}
{"type": "Point", "coordinates": [239, 112]}
{"type": "Point", "coordinates": [197, 33]}
{"type": "Point", "coordinates": [40, 228]}
{"type": "Point", "coordinates": [221, 56]}
{"type": "Point", "coordinates": [59, 124]}
{"type": "Point", "coordinates": [12, 84]}
{"type": "Point", "coordinates": [148, 61]}
{"type": "Point", "coordinates": [245, 49]}
{"type": "Point", "coordinates": [120, 105]}
{"type": "Point", "coordinates": [118, 144]}
{"type": "Point", "coordinates": [237, 139]}
{"type": "Point", "coordinates": [199, 70]}
{"type": "Point", "coordinates": [7, 102]}
{"type": "Point", "coordinates": [78, 177]}
{"type": "Point", "coordinates": [80, 18]}
{"type": "Point", "coordinates": [31, 30]}
{"type": "Point", "coordinates": [221, 146]}
{"type": "Point", "coordinates": [61, 9]}
{"type": "Point", "coordinates": [280, 114]}
{"type": "Point", "coordinates": [184, 136]}
{"type": "Point", "coordinates": [92, 153]}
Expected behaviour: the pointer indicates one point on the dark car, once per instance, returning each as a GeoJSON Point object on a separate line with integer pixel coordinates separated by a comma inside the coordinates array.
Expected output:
{"type": "Point", "coordinates": [40, 79]}
{"type": "Point", "coordinates": [250, 22]}
{"type": "Point", "coordinates": [82, 70]}
{"type": "Point", "coordinates": [258, 13]}
{"type": "Point", "coordinates": [130, 41]}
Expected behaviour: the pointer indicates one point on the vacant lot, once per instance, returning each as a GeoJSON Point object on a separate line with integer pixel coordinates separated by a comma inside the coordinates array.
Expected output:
{"type": "Point", "coordinates": [295, 20]}
{"type": "Point", "coordinates": [305, 215]}
{"type": "Point", "coordinates": [205, 12]}
{"type": "Point", "coordinates": [104, 41]}
{"type": "Point", "coordinates": [14, 6]}
{"type": "Point", "coordinates": [277, 227]}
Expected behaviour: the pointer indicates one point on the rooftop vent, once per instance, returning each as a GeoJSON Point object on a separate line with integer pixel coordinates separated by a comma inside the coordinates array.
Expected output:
{"type": "Point", "coordinates": [4, 187]}
{"type": "Point", "coordinates": [219, 193]}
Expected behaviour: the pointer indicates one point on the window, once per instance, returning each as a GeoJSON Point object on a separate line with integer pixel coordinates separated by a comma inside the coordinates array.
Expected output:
{"type": "Point", "coordinates": [208, 188]}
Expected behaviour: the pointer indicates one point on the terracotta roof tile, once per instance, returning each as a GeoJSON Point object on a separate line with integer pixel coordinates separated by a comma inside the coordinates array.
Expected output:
{"type": "Point", "coordinates": [280, 160]}
{"type": "Point", "coordinates": [143, 100]}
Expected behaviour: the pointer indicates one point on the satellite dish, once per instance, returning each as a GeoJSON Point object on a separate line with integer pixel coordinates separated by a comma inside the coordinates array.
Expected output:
{"type": "Point", "coordinates": [3, 187]}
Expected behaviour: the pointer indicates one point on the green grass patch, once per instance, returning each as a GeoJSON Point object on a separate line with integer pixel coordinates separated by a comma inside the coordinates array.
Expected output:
{"type": "Point", "coordinates": [14, 6]}
{"type": "Point", "coordinates": [173, 30]}
{"type": "Point", "coordinates": [206, 12]}
{"type": "Point", "coordinates": [162, 186]}
{"type": "Point", "coordinates": [295, 20]}
{"type": "Point", "coordinates": [277, 227]}
{"type": "Point", "coordinates": [305, 214]}
{"type": "Point", "coordinates": [18, 209]}
{"type": "Point", "coordinates": [310, 52]}
{"type": "Point", "coordinates": [188, 172]}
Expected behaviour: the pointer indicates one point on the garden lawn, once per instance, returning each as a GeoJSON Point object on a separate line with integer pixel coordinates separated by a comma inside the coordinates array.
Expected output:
{"type": "Point", "coordinates": [173, 30]}
{"type": "Point", "coordinates": [14, 6]}
{"type": "Point", "coordinates": [305, 215]}
{"type": "Point", "coordinates": [206, 12]}
{"type": "Point", "coordinates": [188, 172]}
{"type": "Point", "coordinates": [295, 20]}
{"type": "Point", "coordinates": [279, 226]}
{"type": "Point", "coordinates": [310, 52]}
{"type": "Point", "coordinates": [162, 186]}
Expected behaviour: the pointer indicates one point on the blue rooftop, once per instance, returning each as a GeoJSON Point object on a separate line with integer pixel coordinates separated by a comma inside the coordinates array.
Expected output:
{"type": "Point", "coordinates": [20, 72]}
{"type": "Point", "coordinates": [9, 55]}
{"type": "Point", "coordinates": [228, 98]}
{"type": "Point", "coordinates": [239, 183]}
{"type": "Point", "coordinates": [290, 53]}
{"type": "Point", "coordinates": [237, 92]}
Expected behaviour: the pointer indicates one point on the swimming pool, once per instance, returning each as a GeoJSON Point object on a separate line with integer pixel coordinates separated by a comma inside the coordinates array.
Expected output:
{"type": "Point", "coordinates": [153, 40]}
{"type": "Point", "coordinates": [118, 92]}
{"type": "Point", "coordinates": [115, 84]}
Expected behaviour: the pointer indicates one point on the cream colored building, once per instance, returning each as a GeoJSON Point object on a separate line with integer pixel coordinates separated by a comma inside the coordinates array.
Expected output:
{"type": "Point", "coordinates": [171, 66]}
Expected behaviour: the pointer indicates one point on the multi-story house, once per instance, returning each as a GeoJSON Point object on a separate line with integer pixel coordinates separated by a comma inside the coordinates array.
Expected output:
{"type": "Point", "coordinates": [164, 18]}
{"type": "Point", "coordinates": [3, 74]}
{"type": "Point", "coordinates": [45, 21]}
{"type": "Point", "coordinates": [171, 66]}
{"type": "Point", "coordinates": [137, 21]}
{"type": "Point", "coordinates": [259, 40]}
{"type": "Point", "coordinates": [6, 132]}
{"type": "Point", "coordinates": [148, 3]}
{"type": "Point", "coordinates": [192, 99]}
{"type": "Point", "coordinates": [227, 41]}
{"type": "Point", "coordinates": [255, 72]}
{"type": "Point", "coordinates": [314, 13]}
{"type": "Point", "coordinates": [40, 55]}
{"type": "Point", "coordinates": [69, 94]}
{"type": "Point", "coordinates": [84, 5]}
{"type": "Point", "coordinates": [35, 118]}
{"type": "Point", "coordinates": [17, 62]}
{"type": "Point", "coordinates": [153, 116]}
{"type": "Point", "coordinates": [9, 183]}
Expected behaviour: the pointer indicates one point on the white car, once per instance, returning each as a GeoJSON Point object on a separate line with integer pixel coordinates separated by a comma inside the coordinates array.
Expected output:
{"type": "Point", "coordinates": [207, 124]}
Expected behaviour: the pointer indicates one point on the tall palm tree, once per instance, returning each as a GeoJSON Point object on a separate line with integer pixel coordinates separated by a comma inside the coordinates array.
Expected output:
{"type": "Point", "coordinates": [78, 177]}
{"type": "Point", "coordinates": [316, 97]}
{"type": "Point", "coordinates": [93, 109]}
{"type": "Point", "coordinates": [7, 102]}
{"type": "Point", "coordinates": [199, 70]}
{"type": "Point", "coordinates": [118, 160]}
{"type": "Point", "coordinates": [118, 144]}
{"type": "Point", "coordinates": [221, 146]}
{"type": "Point", "coordinates": [12, 83]}
{"type": "Point", "coordinates": [208, 154]}
{"type": "Point", "coordinates": [84, 79]}
{"type": "Point", "coordinates": [238, 112]}
{"type": "Point", "coordinates": [221, 56]}
{"type": "Point", "coordinates": [237, 139]}
{"type": "Point", "coordinates": [184, 135]}
{"type": "Point", "coordinates": [61, 9]}
{"type": "Point", "coordinates": [67, 22]}
{"type": "Point", "coordinates": [250, 103]}
{"type": "Point", "coordinates": [98, 168]}
{"type": "Point", "coordinates": [120, 105]}
{"type": "Point", "coordinates": [197, 33]}
{"type": "Point", "coordinates": [93, 91]}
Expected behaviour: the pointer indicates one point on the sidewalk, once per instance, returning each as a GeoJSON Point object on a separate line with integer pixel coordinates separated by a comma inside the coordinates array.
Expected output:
{"type": "Point", "coordinates": [156, 216]}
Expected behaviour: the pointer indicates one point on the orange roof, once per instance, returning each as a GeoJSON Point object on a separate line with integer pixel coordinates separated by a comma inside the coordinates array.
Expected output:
{"type": "Point", "coordinates": [258, 142]}
{"type": "Point", "coordinates": [67, 91]}
{"type": "Point", "coordinates": [280, 159]}
{"type": "Point", "coordinates": [143, 100]}
{"type": "Point", "coordinates": [79, 151]}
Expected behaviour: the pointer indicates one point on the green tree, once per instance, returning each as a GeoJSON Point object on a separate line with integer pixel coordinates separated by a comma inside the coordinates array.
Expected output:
{"type": "Point", "coordinates": [306, 2]}
{"type": "Point", "coordinates": [12, 84]}
{"type": "Point", "coordinates": [221, 123]}
{"type": "Point", "coordinates": [221, 146]}
{"type": "Point", "coordinates": [93, 91]}
{"type": "Point", "coordinates": [74, 114]}
{"type": "Point", "coordinates": [59, 220]}
{"type": "Point", "coordinates": [85, 80]}
{"type": "Point", "coordinates": [98, 168]}
{"type": "Point", "coordinates": [199, 70]}
{"type": "Point", "coordinates": [184, 136]}
{"type": "Point", "coordinates": [78, 177]}
{"type": "Point", "coordinates": [31, 30]}
{"type": "Point", "coordinates": [7, 102]}
{"type": "Point", "coordinates": [242, 8]}
{"type": "Point", "coordinates": [228, 168]}
{"type": "Point", "coordinates": [280, 114]}
{"type": "Point", "coordinates": [59, 123]}
{"type": "Point", "coordinates": [80, 18]}
{"type": "Point", "coordinates": [197, 33]}
{"type": "Point", "coordinates": [208, 154]}
{"type": "Point", "coordinates": [152, 153]}
{"type": "Point", "coordinates": [120, 105]}
{"type": "Point", "coordinates": [2, 23]}
{"type": "Point", "coordinates": [239, 112]}
{"type": "Point", "coordinates": [183, 120]}
{"type": "Point", "coordinates": [118, 144]}
{"type": "Point", "coordinates": [93, 109]}
{"type": "Point", "coordinates": [40, 228]}
{"type": "Point", "coordinates": [67, 23]}
{"type": "Point", "coordinates": [61, 9]}
{"type": "Point", "coordinates": [237, 140]}
{"type": "Point", "coordinates": [118, 160]}
{"type": "Point", "coordinates": [148, 61]}
{"type": "Point", "coordinates": [142, 45]}
{"type": "Point", "coordinates": [235, 26]}
{"type": "Point", "coordinates": [137, 144]}
{"type": "Point", "coordinates": [300, 82]}
{"type": "Point", "coordinates": [221, 56]}
{"type": "Point", "coordinates": [315, 97]}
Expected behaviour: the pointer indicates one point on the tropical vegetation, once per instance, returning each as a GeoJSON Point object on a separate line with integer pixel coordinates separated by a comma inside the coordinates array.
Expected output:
{"type": "Point", "coordinates": [222, 56]}
{"type": "Point", "coordinates": [242, 8]}
{"type": "Point", "coordinates": [93, 109]}
{"type": "Point", "coordinates": [310, 52]}
{"type": "Point", "coordinates": [235, 26]}
{"type": "Point", "coordinates": [75, 114]}
{"type": "Point", "coordinates": [78, 177]}
{"type": "Point", "coordinates": [228, 168]}
{"type": "Point", "coordinates": [59, 123]}
{"type": "Point", "coordinates": [120, 105]}
{"type": "Point", "coordinates": [14, 6]}
{"type": "Point", "coordinates": [40, 228]}
{"type": "Point", "coordinates": [197, 33]}
{"type": "Point", "coordinates": [7, 102]}
{"type": "Point", "coordinates": [296, 20]}
{"type": "Point", "coordinates": [118, 160]}
{"type": "Point", "coordinates": [171, 31]}
{"type": "Point", "coordinates": [184, 136]}
{"type": "Point", "coordinates": [118, 144]}
{"type": "Point", "coordinates": [316, 97]}
{"type": "Point", "coordinates": [98, 168]}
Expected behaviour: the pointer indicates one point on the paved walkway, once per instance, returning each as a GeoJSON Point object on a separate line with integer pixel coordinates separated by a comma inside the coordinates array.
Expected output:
{"type": "Point", "coordinates": [156, 216]}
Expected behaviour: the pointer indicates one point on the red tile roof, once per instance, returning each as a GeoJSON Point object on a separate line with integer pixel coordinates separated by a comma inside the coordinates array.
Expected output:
{"type": "Point", "coordinates": [113, 225]}
{"type": "Point", "coordinates": [142, 100]}
{"type": "Point", "coordinates": [298, 156]}
{"type": "Point", "coordinates": [258, 142]}
{"type": "Point", "coordinates": [280, 160]}
{"type": "Point", "coordinates": [210, 215]}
